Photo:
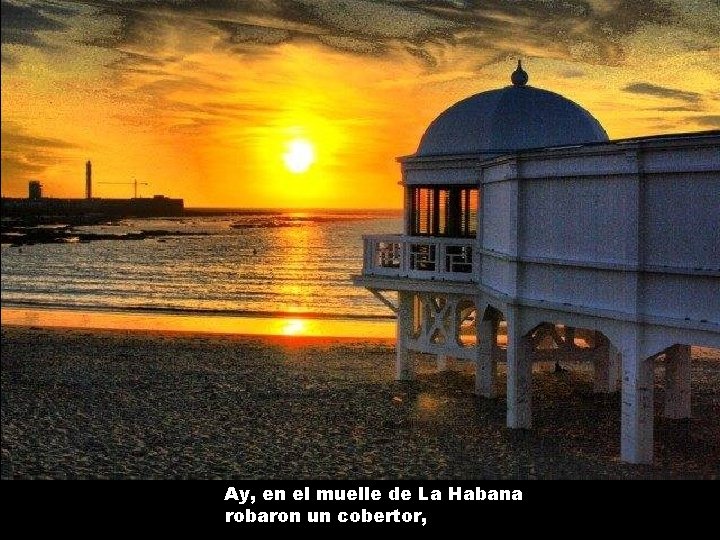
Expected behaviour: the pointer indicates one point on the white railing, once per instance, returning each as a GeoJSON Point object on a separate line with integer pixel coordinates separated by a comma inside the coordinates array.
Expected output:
{"type": "Point", "coordinates": [420, 257]}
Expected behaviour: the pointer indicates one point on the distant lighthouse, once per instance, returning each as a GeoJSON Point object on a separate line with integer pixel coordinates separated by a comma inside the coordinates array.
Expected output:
{"type": "Point", "coordinates": [88, 180]}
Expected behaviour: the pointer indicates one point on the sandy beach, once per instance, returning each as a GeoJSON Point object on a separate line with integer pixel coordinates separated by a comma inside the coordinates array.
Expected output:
{"type": "Point", "coordinates": [130, 404]}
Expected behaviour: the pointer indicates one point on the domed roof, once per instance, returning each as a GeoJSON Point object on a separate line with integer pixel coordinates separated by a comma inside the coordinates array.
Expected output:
{"type": "Point", "coordinates": [516, 117]}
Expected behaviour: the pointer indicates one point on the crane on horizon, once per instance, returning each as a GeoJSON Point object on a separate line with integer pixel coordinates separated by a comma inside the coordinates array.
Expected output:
{"type": "Point", "coordinates": [134, 183]}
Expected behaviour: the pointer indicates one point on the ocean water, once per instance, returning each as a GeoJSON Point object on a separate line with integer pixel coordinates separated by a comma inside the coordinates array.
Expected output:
{"type": "Point", "coordinates": [254, 264]}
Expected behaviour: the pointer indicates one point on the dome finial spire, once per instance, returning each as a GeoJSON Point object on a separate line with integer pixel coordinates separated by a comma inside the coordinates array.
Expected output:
{"type": "Point", "coordinates": [519, 77]}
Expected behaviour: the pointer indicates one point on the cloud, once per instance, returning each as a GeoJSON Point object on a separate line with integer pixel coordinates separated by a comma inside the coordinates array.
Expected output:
{"type": "Point", "coordinates": [572, 73]}
{"type": "Point", "coordinates": [20, 22]}
{"type": "Point", "coordinates": [251, 33]}
{"type": "Point", "coordinates": [680, 108]}
{"type": "Point", "coordinates": [9, 60]}
{"type": "Point", "coordinates": [24, 156]}
{"type": "Point", "coordinates": [14, 139]}
{"type": "Point", "coordinates": [710, 120]}
{"type": "Point", "coordinates": [383, 20]}
{"type": "Point", "coordinates": [664, 92]}
{"type": "Point", "coordinates": [173, 83]}
{"type": "Point", "coordinates": [569, 29]}
{"type": "Point", "coordinates": [437, 34]}
{"type": "Point", "coordinates": [19, 19]}
{"type": "Point", "coordinates": [353, 45]}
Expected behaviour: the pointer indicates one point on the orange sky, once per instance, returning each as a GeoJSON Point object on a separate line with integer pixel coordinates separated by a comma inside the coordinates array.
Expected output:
{"type": "Point", "coordinates": [202, 103]}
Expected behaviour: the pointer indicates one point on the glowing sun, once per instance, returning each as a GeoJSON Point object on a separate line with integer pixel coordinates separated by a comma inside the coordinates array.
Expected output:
{"type": "Point", "coordinates": [299, 156]}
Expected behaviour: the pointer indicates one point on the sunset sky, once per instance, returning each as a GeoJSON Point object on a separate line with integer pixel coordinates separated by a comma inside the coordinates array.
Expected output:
{"type": "Point", "coordinates": [307, 103]}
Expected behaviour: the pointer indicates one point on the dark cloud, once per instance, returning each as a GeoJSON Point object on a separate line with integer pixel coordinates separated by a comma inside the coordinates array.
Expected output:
{"type": "Point", "coordinates": [9, 60]}
{"type": "Point", "coordinates": [24, 22]}
{"type": "Point", "coordinates": [591, 31]}
{"type": "Point", "coordinates": [710, 120]}
{"type": "Point", "coordinates": [25, 156]}
{"type": "Point", "coordinates": [235, 110]}
{"type": "Point", "coordinates": [138, 63]}
{"type": "Point", "coordinates": [655, 90]}
{"type": "Point", "coordinates": [13, 140]}
{"type": "Point", "coordinates": [20, 22]}
{"type": "Point", "coordinates": [25, 17]}
{"type": "Point", "coordinates": [251, 33]}
{"type": "Point", "coordinates": [353, 45]}
{"type": "Point", "coordinates": [572, 73]}
{"type": "Point", "coordinates": [567, 29]}
{"type": "Point", "coordinates": [680, 108]}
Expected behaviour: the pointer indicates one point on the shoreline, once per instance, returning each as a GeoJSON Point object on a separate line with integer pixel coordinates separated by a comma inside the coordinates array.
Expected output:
{"type": "Point", "coordinates": [152, 310]}
{"type": "Point", "coordinates": [282, 340]}
{"type": "Point", "coordinates": [295, 325]}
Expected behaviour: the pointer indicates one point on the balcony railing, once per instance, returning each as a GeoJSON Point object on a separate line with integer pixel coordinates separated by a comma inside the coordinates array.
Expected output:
{"type": "Point", "coordinates": [419, 257]}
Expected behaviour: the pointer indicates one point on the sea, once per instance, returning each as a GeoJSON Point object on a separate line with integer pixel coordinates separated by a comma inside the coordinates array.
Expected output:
{"type": "Point", "coordinates": [243, 264]}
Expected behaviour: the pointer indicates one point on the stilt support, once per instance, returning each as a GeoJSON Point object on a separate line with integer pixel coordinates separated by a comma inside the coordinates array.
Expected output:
{"type": "Point", "coordinates": [486, 360]}
{"type": "Point", "coordinates": [404, 368]}
{"type": "Point", "coordinates": [636, 444]}
{"type": "Point", "coordinates": [519, 375]}
{"type": "Point", "coordinates": [607, 364]}
{"type": "Point", "coordinates": [442, 362]}
{"type": "Point", "coordinates": [677, 382]}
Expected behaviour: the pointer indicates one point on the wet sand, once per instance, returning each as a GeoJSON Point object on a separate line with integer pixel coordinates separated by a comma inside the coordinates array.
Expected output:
{"type": "Point", "coordinates": [130, 404]}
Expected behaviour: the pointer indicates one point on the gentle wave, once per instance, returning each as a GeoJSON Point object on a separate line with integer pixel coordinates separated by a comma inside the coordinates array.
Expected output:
{"type": "Point", "coordinates": [306, 268]}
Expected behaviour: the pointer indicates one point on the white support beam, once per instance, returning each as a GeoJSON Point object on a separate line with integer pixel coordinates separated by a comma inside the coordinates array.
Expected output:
{"type": "Point", "coordinates": [569, 342]}
{"type": "Point", "coordinates": [486, 361]}
{"type": "Point", "coordinates": [601, 369]}
{"type": "Point", "coordinates": [377, 294]}
{"type": "Point", "coordinates": [442, 362]}
{"type": "Point", "coordinates": [606, 364]}
{"type": "Point", "coordinates": [677, 382]}
{"type": "Point", "coordinates": [636, 443]}
{"type": "Point", "coordinates": [614, 369]}
{"type": "Point", "coordinates": [404, 368]}
{"type": "Point", "coordinates": [519, 374]}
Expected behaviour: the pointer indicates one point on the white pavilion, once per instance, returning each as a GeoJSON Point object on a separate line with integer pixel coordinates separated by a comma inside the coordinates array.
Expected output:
{"type": "Point", "coordinates": [530, 236]}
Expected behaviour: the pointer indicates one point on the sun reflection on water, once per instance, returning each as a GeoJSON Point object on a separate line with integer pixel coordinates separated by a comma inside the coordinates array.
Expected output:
{"type": "Point", "coordinates": [257, 326]}
{"type": "Point", "coordinates": [294, 327]}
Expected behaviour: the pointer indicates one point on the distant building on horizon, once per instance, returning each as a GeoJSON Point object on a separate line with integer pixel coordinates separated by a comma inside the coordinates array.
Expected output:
{"type": "Point", "coordinates": [88, 179]}
{"type": "Point", "coordinates": [34, 190]}
{"type": "Point", "coordinates": [37, 208]}
{"type": "Point", "coordinates": [529, 235]}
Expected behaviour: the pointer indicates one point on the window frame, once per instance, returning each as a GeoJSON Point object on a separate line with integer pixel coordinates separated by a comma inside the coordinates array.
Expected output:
{"type": "Point", "coordinates": [461, 208]}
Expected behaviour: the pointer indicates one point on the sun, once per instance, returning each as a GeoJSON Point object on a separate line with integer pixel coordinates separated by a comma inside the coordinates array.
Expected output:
{"type": "Point", "coordinates": [299, 156]}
